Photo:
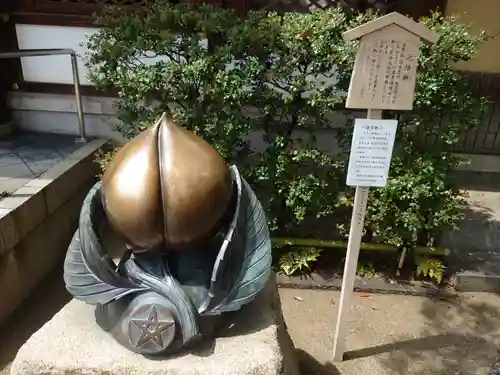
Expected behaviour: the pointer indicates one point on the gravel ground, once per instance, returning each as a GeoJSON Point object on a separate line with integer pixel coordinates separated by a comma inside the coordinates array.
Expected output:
{"type": "Point", "coordinates": [48, 299]}
{"type": "Point", "coordinates": [395, 334]}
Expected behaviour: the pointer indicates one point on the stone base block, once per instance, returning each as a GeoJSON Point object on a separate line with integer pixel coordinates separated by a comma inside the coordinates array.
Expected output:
{"type": "Point", "coordinates": [253, 342]}
{"type": "Point", "coordinates": [6, 129]}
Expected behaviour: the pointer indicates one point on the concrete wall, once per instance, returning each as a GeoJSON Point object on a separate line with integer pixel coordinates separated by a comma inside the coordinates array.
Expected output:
{"type": "Point", "coordinates": [37, 222]}
{"type": "Point", "coordinates": [56, 113]}
{"type": "Point", "coordinates": [57, 69]}
{"type": "Point", "coordinates": [480, 15]}
{"type": "Point", "coordinates": [52, 69]}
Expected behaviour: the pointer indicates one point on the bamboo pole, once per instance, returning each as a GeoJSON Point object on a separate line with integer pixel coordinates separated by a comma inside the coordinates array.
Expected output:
{"type": "Point", "coordinates": [311, 242]}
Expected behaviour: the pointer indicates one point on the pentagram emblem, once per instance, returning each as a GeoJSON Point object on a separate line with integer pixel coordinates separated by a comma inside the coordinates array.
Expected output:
{"type": "Point", "coordinates": [156, 329]}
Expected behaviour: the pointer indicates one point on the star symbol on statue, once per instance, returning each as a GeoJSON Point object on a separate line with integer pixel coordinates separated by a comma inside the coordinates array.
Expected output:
{"type": "Point", "coordinates": [152, 329]}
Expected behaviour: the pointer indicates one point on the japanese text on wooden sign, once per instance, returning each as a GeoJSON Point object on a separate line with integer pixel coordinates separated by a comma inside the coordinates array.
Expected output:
{"type": "Point", "coordinates": [371, 152]}
{"type": "Point", "coordinates": [385, 70]}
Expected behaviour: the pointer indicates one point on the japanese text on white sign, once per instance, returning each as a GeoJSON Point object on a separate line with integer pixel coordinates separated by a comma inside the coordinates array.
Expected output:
{"type": "Point", "coordinates": [371, 152]}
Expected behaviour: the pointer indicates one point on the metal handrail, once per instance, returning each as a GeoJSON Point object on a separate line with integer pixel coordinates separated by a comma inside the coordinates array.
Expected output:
{"type": "Point", "coordinates": [76, 77]}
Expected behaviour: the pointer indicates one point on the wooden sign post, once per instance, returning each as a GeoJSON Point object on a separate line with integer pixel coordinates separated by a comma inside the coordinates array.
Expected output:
{"type": "Point", "coordinates": [383, 78]}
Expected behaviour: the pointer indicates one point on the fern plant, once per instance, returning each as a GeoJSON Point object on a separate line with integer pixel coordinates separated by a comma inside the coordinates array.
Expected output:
{"type": "Point", "coordinates": [431, 268]}
{"type": "Point", "coordinates": [298, 260]}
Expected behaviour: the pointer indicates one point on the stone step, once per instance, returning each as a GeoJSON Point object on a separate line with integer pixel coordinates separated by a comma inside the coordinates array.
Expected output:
{"type": "Point", "coordinates": [475, 247]}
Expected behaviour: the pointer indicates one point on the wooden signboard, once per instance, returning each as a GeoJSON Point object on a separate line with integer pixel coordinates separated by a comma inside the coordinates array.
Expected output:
{"type": "Point", "coordinates": [383, 78]}
{"type": "Point", "coordinates": [386, 64]}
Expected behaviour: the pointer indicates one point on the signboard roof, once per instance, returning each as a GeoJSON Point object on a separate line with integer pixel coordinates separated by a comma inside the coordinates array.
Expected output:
{"type": "Point", "coordinates": [411, 26]}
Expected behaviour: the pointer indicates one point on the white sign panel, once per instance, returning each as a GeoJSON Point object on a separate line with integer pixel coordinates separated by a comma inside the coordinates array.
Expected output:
{"type": "Point", "coordinates": [371, 152]}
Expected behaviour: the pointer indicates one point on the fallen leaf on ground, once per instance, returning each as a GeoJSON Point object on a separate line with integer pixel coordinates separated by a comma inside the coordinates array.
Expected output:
{"type": "Point", "coordinates": [364, 294]}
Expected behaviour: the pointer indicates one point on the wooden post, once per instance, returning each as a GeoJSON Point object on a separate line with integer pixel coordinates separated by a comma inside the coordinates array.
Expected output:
{"type": "Point", "coordinates": [383, 78]}
{"type": "Point", "coordinates": [351, 263]}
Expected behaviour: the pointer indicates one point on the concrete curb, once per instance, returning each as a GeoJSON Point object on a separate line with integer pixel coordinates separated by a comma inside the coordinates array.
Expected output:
{"type": "Point", "coordinates": [413, 288]}
{"type": "Point", "coordinates": [470, 281]}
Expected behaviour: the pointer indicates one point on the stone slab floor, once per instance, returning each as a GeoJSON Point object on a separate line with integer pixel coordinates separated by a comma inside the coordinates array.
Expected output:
{"type": "Point", "coordinates": [24, 156]}
{"type": "Point", "coordinates": [389, 334]}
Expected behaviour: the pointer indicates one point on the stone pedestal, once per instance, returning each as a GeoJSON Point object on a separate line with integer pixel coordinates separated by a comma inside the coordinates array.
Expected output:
{"type": "Point", "coordinates": [6, 129]}
{"type": "Point", "coordinates": [254, 342]}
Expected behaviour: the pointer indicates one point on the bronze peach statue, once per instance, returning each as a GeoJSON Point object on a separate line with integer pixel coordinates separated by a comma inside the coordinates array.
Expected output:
{"type": "Point", "coordinates": [171, 237]}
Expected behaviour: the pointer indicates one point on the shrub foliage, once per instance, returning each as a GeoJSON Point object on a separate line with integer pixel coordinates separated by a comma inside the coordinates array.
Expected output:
{"type": "Point", "coordinates": [268, 92]}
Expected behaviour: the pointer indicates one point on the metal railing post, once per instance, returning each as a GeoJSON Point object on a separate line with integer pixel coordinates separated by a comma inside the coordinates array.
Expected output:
{"type": "Point", "coordinates": [79, 105]}
{"type": "Point", "coordinates": [76, 78]}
